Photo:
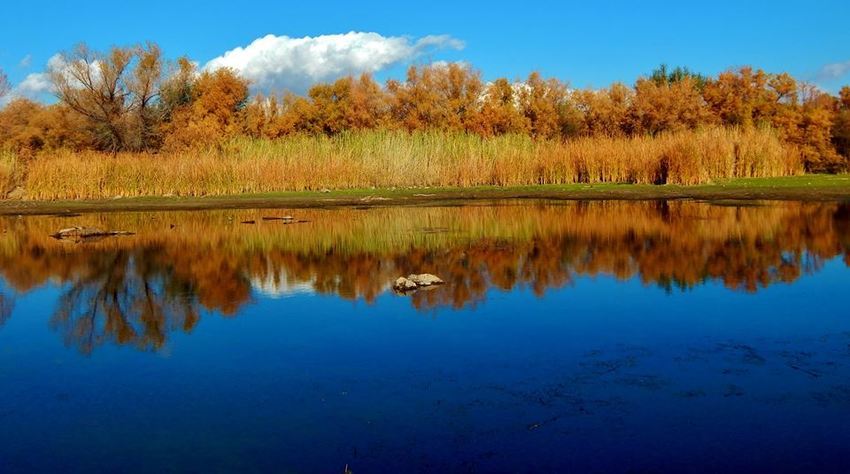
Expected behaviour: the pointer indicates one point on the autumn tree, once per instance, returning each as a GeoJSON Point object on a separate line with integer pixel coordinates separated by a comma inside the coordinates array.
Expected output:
{"type": "Point", "coordinates": [256, 116]}
{"type": "Point", "coordinates": [367, 106]}
{"type": "Point", "coordinates": [841, 130]}
{"type": "Point", "coordinates": [177, 88]}
{"type": "Point", "coordinates": [668, 106]}
{"type": "Point", "coordinates": [16, 130]}
{"type": "Point", "coordinates": [298, 115]}
{"type": "Point", "coordinates": [499, 113]}
{"type": "Point", "coordinates": [443, 97]}
{"type": "Point", "coordinates": [130, 98]}
{"type": "Point", "coordinates": [819, 113]}
{"type": "Point", "coordinates": [543, 102]}
{"type": "Point", "coordinates": [29, 127]}
{"type": "Point", "coordinates": [413, 102]}
{"type": "Point", "coordinates": [211, 113]}
{"type": "Point", "coordinates": [604, 112]}
{"type": "Point", "coordinates": [459, 88]}
{"type": "Point", "coordinates": [346, 104]}
{"type": "Point", "coordinates": [145, 85]}
{"type": "Point", "coordinates": [92, 84]}
{"type": "Point", "coordinates": [739, 97]}
{"type": "Point", "coordinates": [782, 108]}
{"type": "Point", "coordinates": [115, 92]}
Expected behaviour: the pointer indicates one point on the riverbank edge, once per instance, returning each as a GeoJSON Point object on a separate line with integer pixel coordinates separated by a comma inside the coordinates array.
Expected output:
{"type": "Point", "coordinates": [797, 188]}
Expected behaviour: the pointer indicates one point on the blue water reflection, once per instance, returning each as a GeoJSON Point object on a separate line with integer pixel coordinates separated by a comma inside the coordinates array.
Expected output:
{"type": "Point", "coordinates": [600, 374]}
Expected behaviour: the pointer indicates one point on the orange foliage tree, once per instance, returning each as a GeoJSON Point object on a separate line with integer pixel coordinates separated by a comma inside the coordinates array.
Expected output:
{"type": "Point", "coordinates": [669, 106]}
{"type": "Point", "coordinates": [443, 97]}
{"type": "Point", "coordinates": [210, 112]}
{"type": "Point", "coordinates": [604, 112]}
{"type": "Point", "coordinates": [841, 131]}
{"type": "Point", "coordinates": [29, 127]}
{"type": "Point", "coordinates": [499, 114]}
{"type": "Point", "coordinates": [543, 102]}
{"type": "Point", "coordinates": [131, 99]}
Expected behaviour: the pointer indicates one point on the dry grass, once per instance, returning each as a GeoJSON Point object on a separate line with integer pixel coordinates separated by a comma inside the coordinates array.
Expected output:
{"type": "Point", "coordinates": [395, 159]}
{"type": "Point", "coordinates": [9, 171]}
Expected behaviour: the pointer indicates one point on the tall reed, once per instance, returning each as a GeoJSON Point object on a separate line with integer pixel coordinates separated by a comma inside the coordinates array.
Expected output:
{"type": "Point", "coordinates": [10, 170]}
{"type": "Point", "coordinates": [397, 159]}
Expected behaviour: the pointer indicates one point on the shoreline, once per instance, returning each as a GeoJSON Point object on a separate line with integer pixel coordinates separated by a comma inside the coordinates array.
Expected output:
{"type": "Point", "coordinates": [798, 188]}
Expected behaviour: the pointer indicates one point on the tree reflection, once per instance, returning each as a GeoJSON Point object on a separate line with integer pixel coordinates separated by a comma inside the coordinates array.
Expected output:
{"type": "Point", "coordinates": [7, 305]}
{"type": "Point", "coordinates": [122, 298]}
{"type": "Point", "coordinates": [137, 290]}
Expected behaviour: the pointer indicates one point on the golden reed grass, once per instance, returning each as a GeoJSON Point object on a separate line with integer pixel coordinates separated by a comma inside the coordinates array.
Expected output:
{"type": "Point", "coordinates": [9, 170]}
{"type": "Point", "coordinates": [396, 159]}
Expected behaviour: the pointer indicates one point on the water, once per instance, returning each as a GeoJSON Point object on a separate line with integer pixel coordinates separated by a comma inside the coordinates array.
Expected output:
{"type": "Point", "coordinates": [580, 337]}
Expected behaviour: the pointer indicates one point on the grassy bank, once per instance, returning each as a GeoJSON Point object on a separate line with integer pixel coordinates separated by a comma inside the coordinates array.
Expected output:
{"type": "Point", "coordinates": [393, 159]}
{"type": "Point", "coordinates": [801, 188]}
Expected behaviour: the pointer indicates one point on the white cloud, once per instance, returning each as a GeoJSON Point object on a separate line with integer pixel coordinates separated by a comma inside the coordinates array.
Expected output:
{"type": "Point", "coordinates": [442, 63]}
{"type": "Point", "coordinates": [35, 85]}
{"type": "Point", "coordinates": [275, 63]}
{"type": "Point", "coordinates": [834, 71]}
{"type": "Point", "coordinates": [26, 62]}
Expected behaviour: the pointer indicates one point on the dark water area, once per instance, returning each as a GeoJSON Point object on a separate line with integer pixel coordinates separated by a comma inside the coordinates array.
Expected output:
{"type": "Point", "coordinates": [572, 337]}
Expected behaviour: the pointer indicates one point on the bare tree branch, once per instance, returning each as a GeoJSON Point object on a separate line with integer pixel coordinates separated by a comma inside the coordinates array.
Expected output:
{"type": "Point", "coordinates": [5, 87]}
{"type": "Point", "coordinates": [114, 91]}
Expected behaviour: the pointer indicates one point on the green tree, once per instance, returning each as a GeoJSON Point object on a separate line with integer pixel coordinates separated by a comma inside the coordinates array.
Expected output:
{"type": "Point", "coordinates": [662, 75]}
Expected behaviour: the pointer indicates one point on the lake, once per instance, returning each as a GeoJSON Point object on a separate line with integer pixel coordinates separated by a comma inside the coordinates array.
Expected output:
{"type": "Point", "coordinates": [575, 336]}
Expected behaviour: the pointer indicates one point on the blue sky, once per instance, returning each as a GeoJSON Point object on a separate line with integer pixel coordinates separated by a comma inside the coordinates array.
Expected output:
{"type": "Point", "coordinates": [583, 43]}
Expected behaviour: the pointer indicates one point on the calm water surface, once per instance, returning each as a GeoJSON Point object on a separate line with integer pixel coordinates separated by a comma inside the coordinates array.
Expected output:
{"type": "Point", "coordinates": [571, 337]}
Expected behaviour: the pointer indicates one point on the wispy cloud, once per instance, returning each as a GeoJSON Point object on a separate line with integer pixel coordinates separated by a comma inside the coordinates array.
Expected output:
{"type": "Point", "coordinates": [831, 72]}
{"type": "Point", "coordinates": [26, 62]}
{"type": "Point", "coordinates": [280, 62]}
{"type": "Point", "coordinates": [35, 85]}
{"type": "Point", "coordinates": [274, 63]}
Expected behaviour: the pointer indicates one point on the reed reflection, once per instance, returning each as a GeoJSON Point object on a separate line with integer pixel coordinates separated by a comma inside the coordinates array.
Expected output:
{"type": "Point", "coordinates": [135, 290]}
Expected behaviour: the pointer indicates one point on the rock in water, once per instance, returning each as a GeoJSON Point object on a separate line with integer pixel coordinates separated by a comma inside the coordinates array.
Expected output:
{"type": "Point", "coordinates": [425, 279]}
{"type": "Point", "coordinates": [79, 234]}
{"type": "Point", "coordinates": [403, 285]}
{"type": "Point", "coordinates": [416, 282]}
{"type": "Point", "coordinates": [374, 198]}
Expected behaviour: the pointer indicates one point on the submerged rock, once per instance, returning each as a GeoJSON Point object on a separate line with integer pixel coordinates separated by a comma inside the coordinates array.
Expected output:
{"type": "Point", "coordinates": [86, 233]}
{"type": "Point", "coordinates": [373, 198]}
{"type": "Point", "coordinates": [416, 282]}
{"type": "Point", "coordinates": [404, 285]}
{"type": "Point", "coordinates": [425, 279]}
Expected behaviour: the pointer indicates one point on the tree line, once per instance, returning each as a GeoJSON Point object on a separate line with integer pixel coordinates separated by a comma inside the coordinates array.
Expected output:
{"type": "Point", "coordinates": [134, 99]}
